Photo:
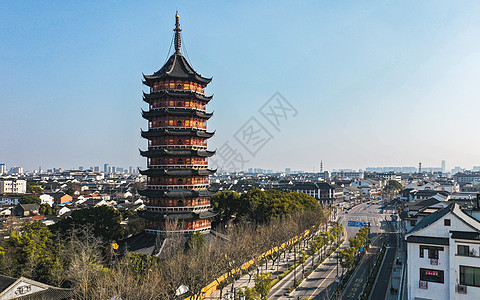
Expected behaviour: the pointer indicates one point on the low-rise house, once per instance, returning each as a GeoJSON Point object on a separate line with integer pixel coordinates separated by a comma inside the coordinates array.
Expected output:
{"type": "Point", "coordinates": [47, 199]}
{"type": "Point", "coordinates": [62, 198]}
{"type": "Point", "coordinates": [443, 256]}
{"type": "Point", "coordinates": [24, 288]}
{"type": "Point", "coordinates": [10, 199]}
{"type": "Point", "coordinates": [26, 210]}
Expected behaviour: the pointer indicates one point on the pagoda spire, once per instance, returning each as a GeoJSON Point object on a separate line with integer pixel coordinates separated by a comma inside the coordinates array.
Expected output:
{"type": "Point", "coordinates": [178, 38]}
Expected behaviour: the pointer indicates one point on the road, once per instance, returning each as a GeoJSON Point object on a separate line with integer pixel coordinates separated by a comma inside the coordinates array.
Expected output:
{"type": "Point", "coordinates": [321, 283]}
{"type": "Point", "coordinates": [377, 217]}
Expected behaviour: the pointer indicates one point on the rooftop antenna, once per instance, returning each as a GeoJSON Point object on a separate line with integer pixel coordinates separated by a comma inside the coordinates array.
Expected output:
{"type": "Point", "coordinates": [321, 166]}
{"type": "Point", "coordinates": [419, 167]}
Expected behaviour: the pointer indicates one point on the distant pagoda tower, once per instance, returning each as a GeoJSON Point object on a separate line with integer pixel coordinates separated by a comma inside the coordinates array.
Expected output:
{"type": "Point", "coordinates": [177, 168]}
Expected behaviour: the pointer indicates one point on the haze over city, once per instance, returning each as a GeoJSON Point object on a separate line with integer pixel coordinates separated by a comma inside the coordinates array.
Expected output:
{"type": "Point", "coordinates": [374, 84]}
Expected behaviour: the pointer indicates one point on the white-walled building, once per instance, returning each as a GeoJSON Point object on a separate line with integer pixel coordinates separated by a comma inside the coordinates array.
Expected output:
{"type": "Point", "coordinates": [47, 199]}
{"type": "Point", "coordinates": [16, 186]}
{"type": "Point", "coordinates": [443, 256]}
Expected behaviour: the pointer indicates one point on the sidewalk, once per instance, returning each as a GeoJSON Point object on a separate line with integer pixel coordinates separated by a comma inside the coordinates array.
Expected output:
{"type": "Point", "coordinates": [398, 274]}
{"type": "Point", "coordinates": [286, 261]}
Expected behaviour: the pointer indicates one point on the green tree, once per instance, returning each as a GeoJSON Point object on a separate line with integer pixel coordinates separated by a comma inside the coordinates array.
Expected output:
{"type": "Point", "coordinates": [103, 220]}
{"type": "Point", "coordinates": [393, 185]}
{"type": "Point", "coordinates": [195, 241]}
{"type": "Point", "coordinates": [262, 284]}
{"type": "Point", "coordinates": [31, 252]}
{"type": "Point", "coordinates": [30, 199]}
{"type": "Point", "coordinates": [34, 189]}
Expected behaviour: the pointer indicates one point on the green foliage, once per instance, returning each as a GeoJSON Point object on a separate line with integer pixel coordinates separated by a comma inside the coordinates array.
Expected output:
{"type": "Point", "coordinates": [195, 241]}
{"type": "Point", "coordinates": [103, 220]}
{"type": "Point", "coordinates": [261, 206]}
{"type": "Point", "coordinates": [46, 209]}
{"type": "Point", "coordinates": [35, 189]}
{"type": "Point", "coordinates": [262, 284]}
{"type": "Point", "coordinates": [30, 252]}
{"type": "Point", "coordinates": [393, 185]}
{"type": "Point", "coordinates": [249, 293]}
{"type": "Point", "coordinates": [30, 199]}
{"type": "Point", "coordinates": [139, 263]}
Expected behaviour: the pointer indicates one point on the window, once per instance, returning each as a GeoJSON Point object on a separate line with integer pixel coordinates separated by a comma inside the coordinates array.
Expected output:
{"type": "Point", "coordinates": [432, 251]}
{"type": "Point", "coordinates": [470, 276]}
{"type": "Point", "coordinates": [463, 250]}
{"type": "Point", "coordinates": [431, 275]}
{"type": "Point", "coordinates": [446, 222]}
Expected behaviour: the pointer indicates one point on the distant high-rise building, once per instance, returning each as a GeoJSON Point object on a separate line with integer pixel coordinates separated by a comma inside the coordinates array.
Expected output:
{"type": "Point", "coordinates": [177, 185]}
{"type": "Point", "coordinates": [443, 166]}
{"type": "Point", "coordinates": [130, 170]}
{"type": "Point", "coordinates": [3, 168]}
{"type": "Point", "coordinates": [288, 171]}
{"type": "Point", "coordinates": [80, 168]}
{"type": "Point", "coordinates": [16, 170]}
{"type": "Point", "coordinates": [106, 168]}
{"type": "Point", "coordinates": [96, 169]}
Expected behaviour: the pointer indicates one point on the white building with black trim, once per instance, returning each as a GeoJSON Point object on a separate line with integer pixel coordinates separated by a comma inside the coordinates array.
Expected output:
{"type": "Point", "coordinates": [443, 252]}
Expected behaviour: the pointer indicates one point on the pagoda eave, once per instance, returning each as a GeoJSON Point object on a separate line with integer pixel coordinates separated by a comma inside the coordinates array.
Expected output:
{"type": "Point", "coordinates": [177, 152]}
{"type": "Point", "coordinates": [177, 132]}
{"type": "Point", "coordinates": [176, 193]}
{"type": "Point", "coordinates": [181, 216]}
{"type": "Point", "coordinates": [177, 172]}
{"type": "Point", "coordinates": [176, 112]}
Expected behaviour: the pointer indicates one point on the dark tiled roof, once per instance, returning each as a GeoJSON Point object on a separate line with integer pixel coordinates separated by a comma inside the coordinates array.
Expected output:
{"type": "Point", "coordinates": [177, 172]}
{"type": "Point", "coordinates": [175, 93]}
{"type": "Point", "coordinates": [177, 152]}
{"type": "Point", "coordinates": [154, 215]}
{"type": "Point", "coordinates": [5, 282]}
{"type": "Point", "coordinates": [177, 67]}
{"type": "Point", "coordinates": [465, 235]}
{"type": "Point", "coordinates": [176, 112]}
{"type": "Point", "coordinates": [428, 240]}
{"type": "Point", "coordinates": [176, 193]}
{"type": "Point", "coordinates": [431, 218]}
{"type": "Point", "coordinates": [177, 132]}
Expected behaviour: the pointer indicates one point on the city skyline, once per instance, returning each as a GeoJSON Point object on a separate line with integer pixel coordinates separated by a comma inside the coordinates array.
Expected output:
{"type": "Point", "coordinates": [71, 73]}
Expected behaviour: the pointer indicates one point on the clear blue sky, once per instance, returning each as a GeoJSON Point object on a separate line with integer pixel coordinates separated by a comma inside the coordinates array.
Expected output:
{"type": "Point", "coordinates": [375, 83]}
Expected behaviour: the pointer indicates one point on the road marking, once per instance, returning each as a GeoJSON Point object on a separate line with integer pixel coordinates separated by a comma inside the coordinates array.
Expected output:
{"type": "Point", "coordinates": [321, 284]}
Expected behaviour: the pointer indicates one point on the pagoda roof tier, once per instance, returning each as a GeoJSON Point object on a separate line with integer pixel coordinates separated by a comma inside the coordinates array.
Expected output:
{"type": "Point", "coordinates": [177, 152]}
{"type": "Point", "coordinates": [176, 112]}
{"type": "Point", "coordinates": [175, 93]}
{"type": "Point", "coordinates": [155, 215]}
{"type": "Point", "coordinates": [177, 132]}
{"type": "Point", "coordinates": [176, 193]}
{"type": "Point", "coordinates": [176, 67]}
{"type": "Point", "coordinates": [177, 172]}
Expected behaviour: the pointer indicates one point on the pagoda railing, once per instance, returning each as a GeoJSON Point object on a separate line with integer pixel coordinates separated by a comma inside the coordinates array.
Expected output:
{"type": "Point", "coordinates": [178, 208]}
{"type": "Point", "coordinates": [178, 231]}
{"type": "Point", "coordinates": [182, 107]}
{"type": "Point", "coordinates": [177, 187]}
{"type": "Point", "coordinates": [181, 127]}
{"type": "Point", "coordinates": [178, 166]}
{"type": "Point", "coordinates": [178, 147]}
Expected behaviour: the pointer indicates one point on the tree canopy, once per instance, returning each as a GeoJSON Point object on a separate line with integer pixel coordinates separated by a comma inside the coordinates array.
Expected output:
{"type": "Point", "coordinates": [260, 206]}
{"type": "Point", "coordinates": [30, 199]}
{"type": "Point", "coordinates": [103, 220]}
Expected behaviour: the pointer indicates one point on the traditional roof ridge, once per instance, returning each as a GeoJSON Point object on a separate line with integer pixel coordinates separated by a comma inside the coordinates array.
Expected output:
{"type": "Point", "coordinates": [453, 208]}
{"type": "Point", "coordinates": [176, 93]}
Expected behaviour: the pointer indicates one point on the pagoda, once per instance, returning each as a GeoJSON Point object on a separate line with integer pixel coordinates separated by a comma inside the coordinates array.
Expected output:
{"type": "Point", "coordinates": [177, 169]}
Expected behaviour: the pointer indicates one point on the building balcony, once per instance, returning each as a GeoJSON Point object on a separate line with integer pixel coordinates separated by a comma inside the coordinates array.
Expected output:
{"type": "Point", "coordinates": [194, 147]}
{"type": "Point", "coordinates": [178, 231]}
{"type": "Point", "coordinates": [178, 127]}
{"type": "Point", "coordinates": [177, 187]}
{"type": "Point", "coordinates": [178, 208]}
{"type": "Point", "coordinates": [197, 165]}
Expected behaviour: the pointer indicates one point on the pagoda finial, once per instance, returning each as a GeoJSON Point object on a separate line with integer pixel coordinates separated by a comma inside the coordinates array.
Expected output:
{"type": "Point", "coordinates": [178, 38]}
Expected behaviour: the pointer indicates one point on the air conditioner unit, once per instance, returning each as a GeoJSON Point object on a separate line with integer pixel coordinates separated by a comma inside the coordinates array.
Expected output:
{"type": "Point", "coordinates": [461, 289]}
{"type": "Point", "coordinates": [434, 261]}
{"type": "Point", "coordinates": [423, 284]}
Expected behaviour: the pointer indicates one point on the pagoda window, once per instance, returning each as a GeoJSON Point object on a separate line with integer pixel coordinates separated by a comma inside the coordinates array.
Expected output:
{"type": "Point", "coordinates": [171, 85]}
{"type": "Point", "coordinates": [179, 104]}
{"type": "Point", "coordinates": [179, 123]}
{"type": "Point", "coordinates": [180, 202]}
{"type": "Point", "coordinates": [180, 161]}
{"type": "Point", "coordinates": [179, 86]}
{"type": "Point", "coordinates": [170, 122]}
{"type": "Point", "coordinates": [179, 142]}
{"type": "Point", "coordinates": [170, 161]}
{"type": "Point", "coordinates": [180, 181]}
